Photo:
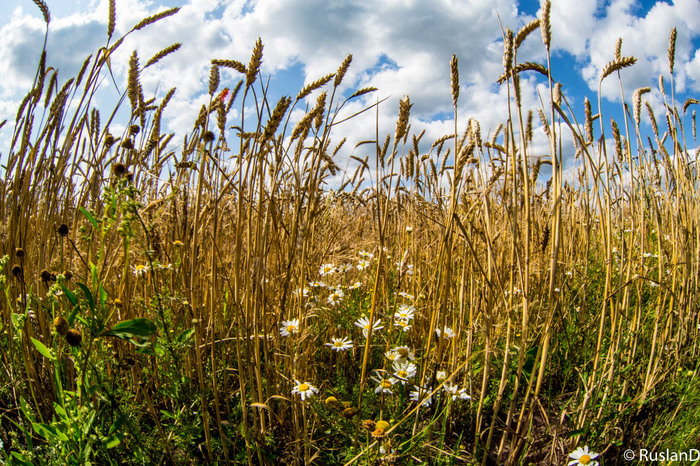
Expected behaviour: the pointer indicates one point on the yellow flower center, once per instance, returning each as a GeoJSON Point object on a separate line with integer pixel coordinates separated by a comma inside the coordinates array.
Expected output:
{"type": "Point", "coordinates": [585, 459]}
{"type": "Point", "coordinates": [338, 344]}
{"type": "Point", "coordinates": [291, 328]}
{"type": "Point", "coordinates": [366, 327]}
{"type": "Point", "coordinates": [303, 387]}
{"type": "Point", "coordinates": [402, 374]}
{"type": "Point", "coordinates": [385, 384]}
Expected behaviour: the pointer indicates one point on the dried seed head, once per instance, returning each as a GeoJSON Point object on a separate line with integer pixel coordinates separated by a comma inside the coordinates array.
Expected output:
{"type": "Point", "coordinates": [524, 32]}
{"type": "Point", "coordinates": [214, 77]}
{"type": "Point", "coordinates": [618, 49]}
{"type": "Point", "coordinates": [19, 252]}
{"type": "Point", "coordinates": [340, 74]}
{"type": "Point", "coordinates": [61, 325]}
{"type": "Point", "coordinates": [118, 169]}
{"type": "Point", "coordinates": [672, 50]}
{"type": "Point", "coordinates": [454, 79]}
{"type": "Point", "coordinates": [369, 425]}
{"type": "Point", "coordinates": [47, 277]}
{"type": "Point", "coordinates": [545, 25]}
{"type": "Point", "coordinates": [134, 130]}
{"type": "Point", "coordinates": [637, 102]}
{"type": "Point", "coordinates": [74, 337]}
{"type": "Point", "coordinates": [383, 425]}
{"type": "Point", "coordinates": [109, 140]}
{"type": "Point", "coordinates": [17, 271]}
{"type": "Point", "coordinates": [208, 136]}
{"type": "Point", "coordinates": [589, 121]}
{"type": "Point", "coordinates": [63, 229]}
{"type": "Point", "coordinates": [127, 144]}
{"type": "Point", "coordinates": [68, 274]}
{"type": "Point", "coordinates": [402, 123]}
{"type": "Point", "coordinates": [617, 65]}
{"type": "Point", "coordinates": [508, 51]}
{"type": "Point", "coordinates": [557, 93]}
{"type": "Point", "coordinates": [661, 84]}
{"type": "Point", "coordinates": [331, 401]}
{"type": "Point", "coordinates": [254, 65]}
{"type": "Point", "coordinates": [349, 413]}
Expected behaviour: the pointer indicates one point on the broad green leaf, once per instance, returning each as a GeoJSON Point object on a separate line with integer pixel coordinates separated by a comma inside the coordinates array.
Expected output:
{"type": "Point", "coordinates": [72, 298]}
{"type": "Point", "coordinates": [49, 432]}
{"type": "Point", "coordinates": [88, 295]}
{"type": "Point", "coordinates": [43, 349]}
{"type": "Point", "coordinates": [137, 331]}
{"type": "Point", "coordinates": [90, 218]}
{"type": "Point", "coordinates": [112, 441]}
{"type": "Point", "coordinates": [186, 335]}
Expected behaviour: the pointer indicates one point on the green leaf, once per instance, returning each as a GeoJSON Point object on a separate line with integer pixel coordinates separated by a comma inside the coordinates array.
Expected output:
{"type": "Point", "coordinates": [90, 218]}
{"type": "Point", "coordinates": [49, 432]}
{"type": "Point", "coordinates": [135, 331]}
{"type": "Point", "coordinates": [43, 349]}
{"type": "Point", "coordinates": [112, 441]}
{"type": "Point", "coordinates": [88, 295]}
{"type": "Point", "coordinates": [186, 335]}
{"type": "Point", "coordinates": [72, 298]}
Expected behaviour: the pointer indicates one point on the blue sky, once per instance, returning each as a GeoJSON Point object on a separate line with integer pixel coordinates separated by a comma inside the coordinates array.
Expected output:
{"type": "Point", "coordinates": [399, 46]}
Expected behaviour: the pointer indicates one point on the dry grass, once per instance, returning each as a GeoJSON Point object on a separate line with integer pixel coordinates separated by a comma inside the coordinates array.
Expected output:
{"type": "Point", "coordinates": [567, 312]}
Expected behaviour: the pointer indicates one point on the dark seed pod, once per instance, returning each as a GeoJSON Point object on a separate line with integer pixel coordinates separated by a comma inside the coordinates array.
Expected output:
{"type": "Point", "coordinates": [109, 140]}
{"type": "Point", "coordinates": [74, 337]}
{"type": "Point", "coordinates": [47, 277]}
{"type": "Point", "coordinates": [19, 252]}
{"type": "Point", "coordinates": [134, 129]}
{"type": "Point", "coordinates": [17, 271]}
{"type": "Point", "coordinates": [208, 136]}
{"type": "Point", "coordinates": [63, 229]}
{"type": "Point", "coordinates": [68, 274]}
{"type": "Point", "coordinates": [118, 169]}
{"type": "Point", "coordinates": [61, 325]}
{"type": "Point", "coordinates": [127, 144]}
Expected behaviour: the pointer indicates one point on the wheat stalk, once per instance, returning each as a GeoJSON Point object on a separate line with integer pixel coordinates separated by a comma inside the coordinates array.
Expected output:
{"type": "Point", "coordinates": [340, 74]}
{"type": "Point", "coordinates": [254, 65]}
{"type": "Point", "coordinates": [44, 10]}
{"type": "Point", "coordinates": [637, 102]}
{"type": "Point", "coordinates": [524, 32]}
{"type": "Point", "coordinates": [617, 65]}
{"type": "Point", "coordinates": [112, 18]}
{"type": "Point", "coordinates": [163, 53]}
{"type": "Point", "coordinates": [545, 25]}
{"type": "Point", "coordinates": [454, 79]}
{"type": "Point", "coordinates": [157, 17]}
{"type": "Point", "coordinates": [672, 50]}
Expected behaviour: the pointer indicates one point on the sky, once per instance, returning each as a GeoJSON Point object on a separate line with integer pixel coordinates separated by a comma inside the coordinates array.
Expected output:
{"type": "Point", "coordinates": [402, 47]}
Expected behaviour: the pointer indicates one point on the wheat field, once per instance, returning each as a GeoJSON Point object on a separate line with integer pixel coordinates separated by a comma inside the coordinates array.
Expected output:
{"type": "Point", "coordinates": [211, 298]}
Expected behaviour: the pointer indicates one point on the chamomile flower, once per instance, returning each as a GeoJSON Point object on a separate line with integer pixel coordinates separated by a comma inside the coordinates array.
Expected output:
{"type": "Point", "coordinates": [405, 312]}
{"type": "Point", "coordinates": [366, 255]}
{"type": "Point", "coordinates": [363, 264]}
{"type": "Point", "coordinates": [317, 285]}
{"type": "Point", "coordinates": [583, 456]}
{"type": "Point", "coordinates": [404, 354]}
{"type": "Point", "coordinates": [363, 323]}
{"type": "Point", "coordinates": [404, 325]}
{"type": "Point", "coordinates": [404, 371]}
{"type": "Point", "coordinates": [384, 384]}
{"type": "Point", "coordinates": [344, 268]}
{"type": "Point", "coordinates": [440, 376]}
{"type": "Point", "coordinates": [340, 344]}
{"type": "Point", "coordinates": [335, 296]}
{"type": "Point", "coordinates": [420, 395]}
{"type": "Point", "coordinates": [289, 327]}
{"type": "Point", "coordinates": [456, 392]}
{"type": "Point", "coordinates": [355, 286]}
{"type": "Point", "coordinates": [392, 356]}
{"type": "Point", "coordinates": [447, 332]}
{"type": "Point", "coordinates": [406, 296]}
{"type": "Point", "coordinates": [304, 390]}
{"type": "Point", "coordinates": [140, 270]}
{"type": "Point", "coordinates": [326, 269]}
